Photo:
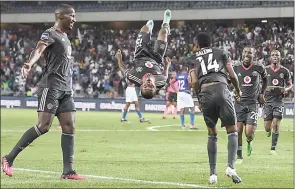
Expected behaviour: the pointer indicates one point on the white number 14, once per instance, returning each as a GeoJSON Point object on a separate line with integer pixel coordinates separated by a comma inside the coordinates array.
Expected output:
{"type": "Point", "coordinates": [211, 64]}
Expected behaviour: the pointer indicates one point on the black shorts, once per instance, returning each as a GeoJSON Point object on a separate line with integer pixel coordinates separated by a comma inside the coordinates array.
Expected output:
{"type": "Point", "coordinates": [172, 97]}
{"type": "Point", "coordinates": [144, 48]}
{"type": "Point", "coordinates": [247, 113]}
{"type": "Point", "coordinates": [55, 101]}
{"type": "Point", "coordinates": [217, 103]}
{"type": "Point", "coordinates": [271, 111]}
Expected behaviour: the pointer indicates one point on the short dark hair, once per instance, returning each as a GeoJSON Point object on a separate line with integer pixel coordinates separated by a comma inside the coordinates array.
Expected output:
{"type": "Point", "coordinates": [147, 95]}
{"type": "Point", "coordinates": [63, 8]}
{"type": "Point", "coordinates": [203, 40]}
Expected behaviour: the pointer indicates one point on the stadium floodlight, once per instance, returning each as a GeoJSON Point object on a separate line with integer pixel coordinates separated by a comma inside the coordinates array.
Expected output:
{"type": "Point", "coordinates": [264, 21]}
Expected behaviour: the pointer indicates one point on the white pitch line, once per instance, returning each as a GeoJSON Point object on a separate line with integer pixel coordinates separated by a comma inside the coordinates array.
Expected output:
{"type": "Point", "coordinates": [121, 179]}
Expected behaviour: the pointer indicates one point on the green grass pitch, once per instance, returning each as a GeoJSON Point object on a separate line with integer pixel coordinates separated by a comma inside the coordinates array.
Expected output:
{"type": "Point", "coordinates": [140, 155]}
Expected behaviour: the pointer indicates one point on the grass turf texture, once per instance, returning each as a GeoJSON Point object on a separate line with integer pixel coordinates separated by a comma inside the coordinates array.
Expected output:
{"type": "Point", "coordinates": [169, 158]}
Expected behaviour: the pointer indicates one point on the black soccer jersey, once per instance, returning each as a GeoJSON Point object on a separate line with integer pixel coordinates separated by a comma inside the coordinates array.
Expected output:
{"type": "Point", "coordinates": [209, 64]}
{"type": "Point", "coordinates": [249, 80]}
{"type": "Point", "coordinates": [277, 79]}
{"type": "Point", "coordinates": [57, 72]}
{"type": "Point", "coordinates": [144, 66]}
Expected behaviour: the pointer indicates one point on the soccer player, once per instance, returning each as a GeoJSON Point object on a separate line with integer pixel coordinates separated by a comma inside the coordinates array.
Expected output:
{"type": "Point", "coordinates": [209, 79]}
{"type": "Point", "coordinates": [171, 97]}
{"type": "Point", "coordinates": [149, 72]}
{"type": "Point", "coordinates": [250, 74]}
{"type": "Point", "coordinates": [279, 83]}
{"type": "Point", "coordinates": [184, 97]}
{"type": "Point", "coordinates": [131, 98]}
{"type": "Point", "coordinates": [54, 95]}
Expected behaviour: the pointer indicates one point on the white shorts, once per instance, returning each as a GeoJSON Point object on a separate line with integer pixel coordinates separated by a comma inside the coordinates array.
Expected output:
{"type": "Point", "coordinates": [184, 100]}
{"type": "Point", "coordinates": [131, 95]}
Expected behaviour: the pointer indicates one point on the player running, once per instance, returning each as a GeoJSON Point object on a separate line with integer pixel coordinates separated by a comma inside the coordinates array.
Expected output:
{"type": "Point", "coordinates": [149, 72]}
{"type": "Point", "coordinates": [171, 95]}
{"type": "Point", "coordinates": [184, 97]}
{"type": "Point", "coordinates": [249, 74]}
{"type": "Point", "coordinates": [209, 79]}
{"type": "Point", "coordinates": [131, 98]}
{"type": "Point", "coordinates": [279, 83]}
{"type": "Point", "coordinates": [54, 95]}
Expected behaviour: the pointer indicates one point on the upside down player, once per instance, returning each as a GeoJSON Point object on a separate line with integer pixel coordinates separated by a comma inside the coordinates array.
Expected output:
{"type": "Point", "coordinates": [280, 83]}
{"type": "Point", "coordinates": [149, 72]}
{"type": "Point", "coordinates": [54, 95]}
{"type": "Point", "coordinates": [184, 97]}
{"type": "Point", "coordinates": [249, 74]}
{"type": "Point", "coordinates": [209, 79]}
{"type": "Point", "coordinates": [171, 97]}
{"type": "Point", "coordinates": [131, 98]}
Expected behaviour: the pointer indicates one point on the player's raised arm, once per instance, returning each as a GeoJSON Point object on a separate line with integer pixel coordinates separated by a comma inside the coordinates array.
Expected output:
{"type": "Point", "coordinates": [120, 61]}
{"type": "Point", "coordinates": [167, 64]}
{"type": "Point", "coordinates": [263, 75]}
{"type": "Point", "coordinates": [288, 81]}
{"type": "Point", "coordinates": [44, 42]}
{"type": "Point", "coordinates": [233, 76]}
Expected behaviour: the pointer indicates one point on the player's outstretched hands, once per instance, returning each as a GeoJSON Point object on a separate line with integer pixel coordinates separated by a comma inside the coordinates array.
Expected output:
{"type": "Point", "coordinates": [119, 55]}
{"type": "Point", "coordinates": [25, 69]}
{"type": "Point", "coordinates": [238, 95]}
{"type": "Point", "coordinates": [167, 61]}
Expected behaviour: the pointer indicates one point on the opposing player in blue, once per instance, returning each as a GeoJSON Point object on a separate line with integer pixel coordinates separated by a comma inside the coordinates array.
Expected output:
{"type": "Point", "coordinates": [184, 97]}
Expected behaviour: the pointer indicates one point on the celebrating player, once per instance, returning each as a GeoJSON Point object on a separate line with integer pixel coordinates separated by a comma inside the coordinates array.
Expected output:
{"type": "Point", "coordinates": [209, 79]}
{"type": "Point", "coordinates": [279, 83]}
{"type": "Point", "coordinates": [171, 95]}
{"type": "Point", "coordinates": [184, 97]}
{"type": "Point", "coordinates": [149, 72]}
{"type": "Point", "coordinates": [131, 98]}
{"type": "Point", "coordinates": [54, 95]}
{"type": "Point", "coordinates": [249, 74]}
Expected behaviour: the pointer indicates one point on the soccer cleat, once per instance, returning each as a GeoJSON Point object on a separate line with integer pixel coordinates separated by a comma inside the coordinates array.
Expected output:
{"type": "Point", "coordinates": [73, 176]}
{"type": "Point", "coordinates": [268, 133]}
{"type": "Point", "coordinates": [150, 25]}
{"type": "Point", "coordinates": [167, 16]}
{"type": "Point", "coordinates": [273, 152]}
{"type": "Point", "coordinates": [249, 148]}
{"type": "Point", "coordinates": [163, 117]}
{"type": "Point", "coordinates": [239, 161]}
{"type": "Point", "coordinates": [174, 117]}
{"type": "Point", "coordinates": [123, 120]}
{"type": "Point", "coordinates": [142, 120]}
{"type": "Point", "coordinates": [193, 127]}
{"type": "Point", "coordinates": [6, 166]}
{"type": "Point", "coordinates": [213, 179]}
{"type": "Point", "coordinates": [183, 126]}
{"type": "Point", "coordinates": [231, 173]}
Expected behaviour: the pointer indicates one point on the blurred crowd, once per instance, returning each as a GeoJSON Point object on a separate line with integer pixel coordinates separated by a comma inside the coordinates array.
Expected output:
{"type": "Point", "coordinates": [89, 6]}
{"type": "Point", "coordinates": [95, 73]}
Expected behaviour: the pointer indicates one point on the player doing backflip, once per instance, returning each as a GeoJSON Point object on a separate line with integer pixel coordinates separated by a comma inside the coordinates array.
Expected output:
{"type": "Point", "coordinates": [279, 83]}
{"type": "Point", "coordinates": [209, 79]}
{"type": "Point", "coordinates": [184, 97]}
{"type": "Point", "coordinates": [249, 74]}
{"type": "Point", "coordinates": [150, 71]}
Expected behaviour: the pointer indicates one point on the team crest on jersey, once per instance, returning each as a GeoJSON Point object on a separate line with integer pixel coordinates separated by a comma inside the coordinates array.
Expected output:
{"type": "Point", "coordinates": [247, 79]}
{"type": "Point", "coordinates": [162, 46]}
{"type": "Point", "coordinates": [44, 36]}
{"type": "Point", "coordinates": [275, 82]}
{"type": "Point", "coordinates": [281, 75]}
{"type": "Point", "coordinates": [49, 106]}
{"type": "Point", "coordinates": [139, 69]}
{"type": "Point", "coordinates": [148, 64]}
{"type": "Point", "coordinates": [255, 73]}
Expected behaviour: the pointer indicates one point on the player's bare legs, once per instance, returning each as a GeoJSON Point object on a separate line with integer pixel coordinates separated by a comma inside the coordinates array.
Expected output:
{"type": "Point", "coordinates": [275, 135]}
{"type": "Point", "coordinates": [175, 110]}
{"type": "Point", "coordinates": [43, 126]}
{"type": "Point", "coordinates": [267, 127]}
{"type": "Point", "coordinates": [127, 105]}
{"type": "Point", "coordinates": [250, 134]}
{"type": "Point", "coordinates": [240, 127]}
{"type": "Point", "coordinates": [67, 123]}
{"type": "Point", "coordinates": [192, 117]}
{"type": "Point", "coordinates": [165, 30]}
{"type": "Point", "coordinates": [168, 103]}
{"type": "Point", "coordinates": [232, 150]}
